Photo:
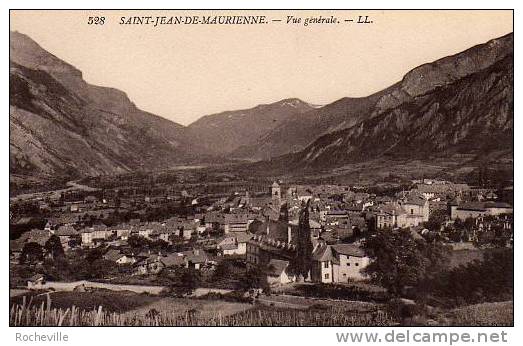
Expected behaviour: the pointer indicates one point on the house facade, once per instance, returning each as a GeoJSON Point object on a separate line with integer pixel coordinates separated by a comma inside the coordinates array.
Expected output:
{"type": "Point", "coordinates": [338, 263]}
{"type": "Point", "coordinates": [408, 212]}
{"type": "Point", "coordinates": [478, 209]}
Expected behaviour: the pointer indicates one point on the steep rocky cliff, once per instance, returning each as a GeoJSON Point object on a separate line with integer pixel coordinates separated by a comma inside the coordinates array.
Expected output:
{"type": "Point", "coordinates": [62, 126]}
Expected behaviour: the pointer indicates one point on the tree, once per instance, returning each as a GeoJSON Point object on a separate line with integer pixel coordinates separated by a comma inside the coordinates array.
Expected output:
{"type": "Point", "coordinates": [137, 242]}
{"type": "Point", "coordinates": [303, 260]}
{"type": "Point", "coordinates": [254, 278]}
{"type": "Point", "coordinates": [31, 253]}
{"type": "Point", "coordinates": [400, 261]}
{"type": "Point", "coordinates": [469, 224]}
{"type": "Point", "coordinates": [53, 246]}
{"type": "Point", "coordinates": [284, 213]}
{"type": "Point", "coordinates": [74, 242]}
{"type": "Point", "coordinates": [458, 224]}
{"type": "Point", "coordinates": [94, 255]}
{"type": "Point", "coordinates": [190, 278]}
{"type": "Point", "coordinates": [224, 269]}
{"type": "Point", "coordinates": [159, 244]}
{"type": "Point", "coordinates": [436, 219]}
{"type": "Point", "coordinates": [490, 279]}
{"type": "Point", "coordinates": [100, 268]}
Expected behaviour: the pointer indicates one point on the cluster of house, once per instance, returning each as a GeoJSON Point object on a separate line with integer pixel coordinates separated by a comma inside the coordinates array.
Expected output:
{"type": "Point", "coordinates": [253, 227]}
{"type": "Point", "coordinates": [146, 263]}
{"type": "Point", "coordinates": [274, 247]}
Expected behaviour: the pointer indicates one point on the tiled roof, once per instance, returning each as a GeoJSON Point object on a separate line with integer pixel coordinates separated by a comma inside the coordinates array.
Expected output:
{"type": "Point", "coordinates": [324, 253]}
{"type": "Point", "coordinates": [277, 230]}
{"type": "Point", "coordinates": [482, 206]}
{"type": "Point", "coordinates": [195, 256]}
{"type": "Point", "coordinates": [66, 231]}
{"type": "Point", "coordinates": [235, 218]}
{"type": "Point", "coordinates": [312, 223]}
{"type": "Point", "coordinates": [391, 209]}
{"type": "Point", "coordinates": [113, 255]}
{"type": "Point", "coordinates": [275, 267]}
{"type": "Point", "coordinates": [35, 235]}
{"type": "Point", "coordinates": [242, 237]}
{"type": "Point", "coordinates": [229, 246]}
{"type": "Point", "coordinates": [416, 200]}
{"type": "Point", "coordinates": [171, 260]}
{"type": "Point", "coordinates": [349, 250]}
{"type": "Point", "coordinates": [442, 188]}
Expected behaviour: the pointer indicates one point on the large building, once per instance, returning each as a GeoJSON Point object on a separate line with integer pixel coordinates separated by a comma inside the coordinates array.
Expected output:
{"type": "Point", "coordinates": [407, 212]}
{"type": "Point", "coordinates": [338, 263]}
{"type": "Point", "coordinates": [477, 209]}
{"type": "Point", "coordinates": [276, 242]}
{"type": "Point", "coordinates": [271, 240]}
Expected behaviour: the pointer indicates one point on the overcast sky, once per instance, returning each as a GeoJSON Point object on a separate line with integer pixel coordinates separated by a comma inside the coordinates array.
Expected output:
{"type": "Point", "coordinates": [183, 72]}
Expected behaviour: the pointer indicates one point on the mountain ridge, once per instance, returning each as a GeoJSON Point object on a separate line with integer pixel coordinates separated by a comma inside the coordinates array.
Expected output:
{"type": "Point", "coordinates": [470, 111]}
{"type": "Point", "coordinates": [298, 133]}
{"type": "Point", "coordinates": [62, 126]}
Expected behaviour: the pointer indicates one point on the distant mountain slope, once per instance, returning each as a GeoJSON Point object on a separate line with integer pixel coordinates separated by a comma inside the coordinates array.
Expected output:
{"type": "Point", "coordinates": [459, 104]}
{"type": "Point", "coordinates": [223, 133]}
{"type": "Point", "coordinates": [62, 126]}
{"type": "Point", "coordinates": [299, 132]}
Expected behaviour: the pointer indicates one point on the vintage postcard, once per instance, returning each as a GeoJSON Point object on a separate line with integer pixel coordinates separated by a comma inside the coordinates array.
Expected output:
{"type": "Point", "coordinates": [343, 168]}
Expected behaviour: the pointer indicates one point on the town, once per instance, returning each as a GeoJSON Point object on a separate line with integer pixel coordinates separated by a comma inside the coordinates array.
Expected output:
{"type": "Point", "coordinates": [256, 242]}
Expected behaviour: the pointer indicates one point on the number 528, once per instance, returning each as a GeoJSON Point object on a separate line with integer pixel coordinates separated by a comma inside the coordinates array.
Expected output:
{"type": "Point", "coordinates": [96, 21]}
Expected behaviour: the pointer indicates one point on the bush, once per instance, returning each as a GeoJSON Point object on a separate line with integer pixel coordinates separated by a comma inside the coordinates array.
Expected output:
{"type": "Point", "coordinates": [488, 280]}
{"type": "Point", "coordinates": [235, 297]}
{"type": "Point", "coordinates": [345, 292]}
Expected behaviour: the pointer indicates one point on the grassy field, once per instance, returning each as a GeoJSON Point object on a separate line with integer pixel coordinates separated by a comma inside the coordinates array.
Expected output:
{"type": "Point", "coordinates": [304, 303]}
{"type": "Point", "coordinates": [110, 300]}
{"type": "Point", "coordinates": [129, 302]}
{"type": "Point", "coordinates": [107, 308]}
{"type": "Point", "coordinates": [200, 309]}
{"type": "Point", "coordinates": [21, 315]}
{"type": "Point", "coordinates": [486, 314]}
{"type": "Point", "coordinates": [215, 313]}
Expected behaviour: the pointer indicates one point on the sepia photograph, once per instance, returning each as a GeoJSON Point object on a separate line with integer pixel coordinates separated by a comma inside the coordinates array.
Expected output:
{"type": "Point", "coordinates": [261, 168]}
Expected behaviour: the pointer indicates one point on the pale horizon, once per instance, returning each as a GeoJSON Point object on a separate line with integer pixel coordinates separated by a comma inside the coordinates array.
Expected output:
{"type": "Point", "coordinates": [183, 73]}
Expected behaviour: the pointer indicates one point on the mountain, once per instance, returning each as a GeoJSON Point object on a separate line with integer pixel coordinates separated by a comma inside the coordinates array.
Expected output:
{"type": "Point", "coordinates": [299, 130]}
{"type": "Point", "coordinates": [224, 133]}
{"type": "Point", "coordinates": [461, 104]}
{"type": "Point", "coordinates": [61, 126]}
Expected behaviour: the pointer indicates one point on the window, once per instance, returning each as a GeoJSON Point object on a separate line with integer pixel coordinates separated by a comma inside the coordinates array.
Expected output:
{"type": "Point", "coordinates": [325, 264]}
{"type": "Point", "coordinates": [327, 276]}
{"type": "Point", "coordinates": [411, 211]}
{"type": "Point", "coordinates": [348, 264]}
{"type": "Point", "coordinates": [356, 264]}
